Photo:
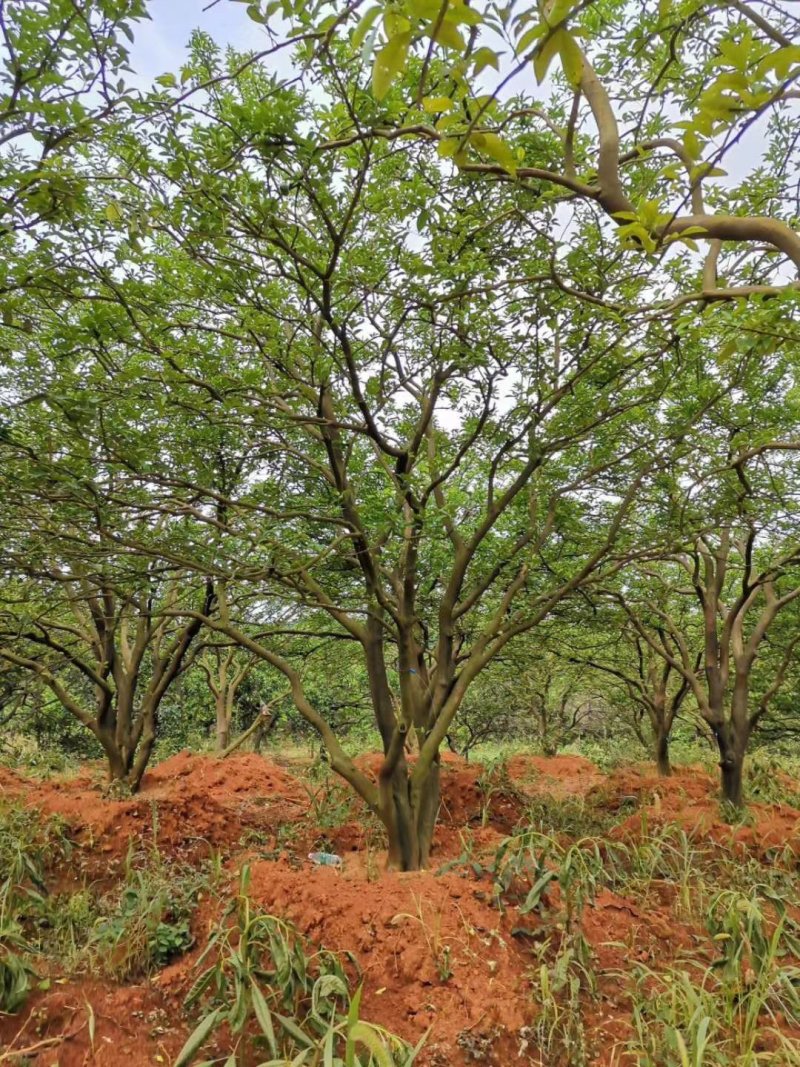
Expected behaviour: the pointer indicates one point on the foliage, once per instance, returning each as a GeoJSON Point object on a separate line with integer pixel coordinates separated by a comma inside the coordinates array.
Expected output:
{"type": "Point", "coordinates": [27, 843]}
{"type": "Point", "coordinates": [145, 923]}
{"type": "Point", "coordinates": [446, 384]}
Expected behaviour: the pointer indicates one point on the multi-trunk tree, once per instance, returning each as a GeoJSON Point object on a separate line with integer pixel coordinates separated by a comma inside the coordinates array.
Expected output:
{"type": "Point", "coordinates": [447, 448]}
{"type": "Point", "coordinates": [99, 624]}
{"type": "Point", "coordinates": [108, 654]}
{"type": "Point", "coordinates": [650, 685]}
{"type": "Point", "coordinates": [224, 669]}
{"type": "Point", "coordinates": [740, 592]}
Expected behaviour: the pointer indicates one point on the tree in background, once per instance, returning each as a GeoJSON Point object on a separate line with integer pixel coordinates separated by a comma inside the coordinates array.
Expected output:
{"type": "Point", "coordinates": [98, 624]}
{"type": "Point", "coordinates": [649, 683]}
{"type": "Point", "coordinates": [224, 671]}
{"type": "Point", "coordinates": [288, 376]}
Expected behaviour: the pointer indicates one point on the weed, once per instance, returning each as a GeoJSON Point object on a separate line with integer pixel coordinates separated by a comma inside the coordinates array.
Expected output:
{"type": "Point", "coordinates": [27, 843]}
{"type": "Point", "coordinates": [494, 780]}
{"type": "Point", "coordinates": [16, 971]}
{"type": "Point", "coordinates": [573, 816]}
{"type": "Point", "coordinates": [772, 781]}
{"type": "Point", "coordinates": [729, 1013]}
{"type": "Point", "coordinates": [438, 944]}
{"type": "Point", "coordinates": [331, 803]}
{"type": "Point", "coordinates": [146, 923]}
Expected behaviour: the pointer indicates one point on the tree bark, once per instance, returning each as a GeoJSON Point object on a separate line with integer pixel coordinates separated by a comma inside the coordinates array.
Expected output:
{"type": "Point", "coordinates": [731, 766]}
{"type": "Point", "coordinates": [663, 764]}
{"type": "Point", "coordinates": [732, 750]}
{"type": "Point", "coordinates": [117, 765]}
{"type": "Point", "coordinates": [408, 811]}
{"type": "Point", "coordinates": [260, 727]}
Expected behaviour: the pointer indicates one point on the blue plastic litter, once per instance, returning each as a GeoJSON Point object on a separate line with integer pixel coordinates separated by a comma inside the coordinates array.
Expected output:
{"type": "Point", "coordinates": [325, 859]}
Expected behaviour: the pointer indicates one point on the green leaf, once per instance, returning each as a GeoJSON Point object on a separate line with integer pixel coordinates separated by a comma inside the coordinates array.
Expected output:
{"type": "Point", "coordinates": [432, 104]}
{"type": "Point", "coordinates": [781, 61]}
{"type": "Point", "coordinates": [531, 35]}
{"type": "Point", "coordinates": [544, 57]}
{"type": "Point", "coordinates": [571, 58]}
{"type": "Point", "coordinates": [389, 62]}
{"type": "Point", "coordinates": [263, 1016]}
{"type": "Point", "coordinates": [448, 147]}
{"type": "Point", "coordinates": [364, 1034]}
{"type": "Point", "coordinates": [168, 80]}
{"type": "Point", "coordinates": [691, 142]}
{"type": "Point", "coordinates": [500, 151]}
{"type": "Point", "coordinates": [365, 24]}
{"type": "Point", "coordinates": [485, 57]}
{"type": "Point", "coordinates": [394, 23]}
{"type": "Point", "coordinates": [423, 9]}
{"type": "Point", "coordinates": [293, 1030]}
{"type": "Point", "coordinates": [113, 213]}
{"type": "Point", "coordinates": [197, 1038]}
{"type": "Point", "coordinates": [559, 10]}
{"type": "Point", "coordinates": [447, 34]}
{"type": "Point", "coordinates": [254, 12]}
{"type": "Point", "coordinates": [464, 16]}
{"type": "Point", "coordinates": [705, 170]}
{"type": "Point", "coordinates": [701, 1040]}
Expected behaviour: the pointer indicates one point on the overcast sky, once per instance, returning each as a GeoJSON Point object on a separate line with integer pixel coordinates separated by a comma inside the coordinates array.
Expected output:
{"type": "Point", "coordinates": [160, 44]}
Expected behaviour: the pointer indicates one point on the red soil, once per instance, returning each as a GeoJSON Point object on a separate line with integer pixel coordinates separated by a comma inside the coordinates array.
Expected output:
{"type": "Point", "coordinates": [690, 799]}
{"type": "Point", "coordinates": [434, 951]}
{"type": "Point", "coordinates": [558, 776]}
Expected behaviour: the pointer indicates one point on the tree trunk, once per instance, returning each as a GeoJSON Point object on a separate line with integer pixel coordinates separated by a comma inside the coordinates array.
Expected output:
{"type": "Point", "coordinates": [261, 727]}
{"type": "Point", "coordinates": [663, 764]}
{"type": "Point", "coordinates": [139, 765]}
{"type": "Point", "coordinates": [223, 731]}
{"type": "Point", "coordinates": [409, 814]}
{"type": "Point", "coordinates": [731, 763]}
{"type": "Point", "coordinates": [127, 762]}
{"type": "Point", "coordinates": [427, 810]}
{"type": "Point", "coordinates": [117, 764]}
{"type": "Point", "coordinates": [731, 768]}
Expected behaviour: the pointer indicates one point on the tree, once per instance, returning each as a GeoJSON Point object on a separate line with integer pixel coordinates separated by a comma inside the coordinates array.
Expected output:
{"type": "Point", "coordinates": [651, 682]}
{"type": "Point", "coordinates": [224, 672]}
{"type": "Point", "coordinates": [739, 598]}
{"type": "Point", "coordinates": [97, 624]}
{"type": "Point", "coordinates": [108, 654]}
{"type": "Point", "coordinates": [428, 540]}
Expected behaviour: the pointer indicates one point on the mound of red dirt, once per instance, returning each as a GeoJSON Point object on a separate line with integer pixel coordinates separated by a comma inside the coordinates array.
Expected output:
{"type": "Point", "coordinates": [85, 1022]}
{"type": "Point", "coordinates": [465, 792]}
{"type": "Point", "coordinates": [11, 784]}
{"type": "Point", "coordinates": [433, 951]}
{"type": "Point", "coordinates": [560, 776]}
{"type": "Point", "coordinates": [188, 805]}
{"type": "Point", "coordinates": [690, 799]}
